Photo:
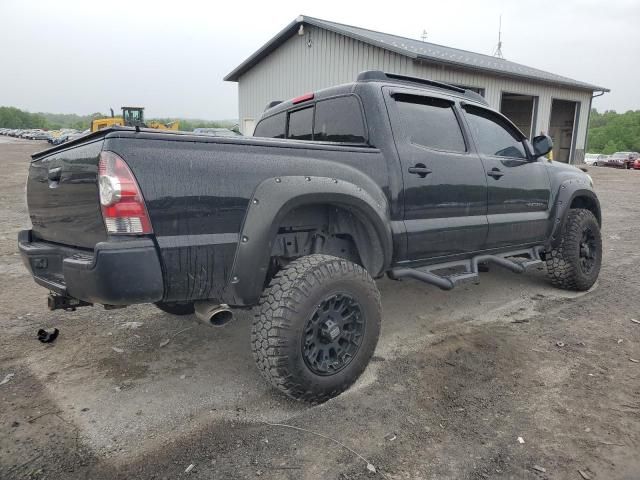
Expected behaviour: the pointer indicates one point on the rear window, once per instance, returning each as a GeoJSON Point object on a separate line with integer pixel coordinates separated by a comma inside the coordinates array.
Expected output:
{"type": "Point", "coordinates": [271, 127]}
{"type": "Point", "coordinates": [431, 122]}
{"type": "Point", "coordinates": [339, 120]}
{"type": "Point", "coordinates": [301, 124]}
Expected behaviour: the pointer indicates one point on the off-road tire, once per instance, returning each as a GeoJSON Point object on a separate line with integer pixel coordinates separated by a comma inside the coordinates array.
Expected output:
{"type": "Point", "coordinates": [175, 308]}
{"type": "Point", "coordinates": [282, 315]}
{"type": "Point", "coordinates": [564, 266]}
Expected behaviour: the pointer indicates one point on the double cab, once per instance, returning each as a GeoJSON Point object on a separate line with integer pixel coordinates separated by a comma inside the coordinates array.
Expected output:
{"type": "Point", "coordinates": [388, 175]}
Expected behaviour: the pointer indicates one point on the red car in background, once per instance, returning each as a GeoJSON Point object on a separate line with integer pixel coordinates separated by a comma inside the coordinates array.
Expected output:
{"type": "Point", "coordinates": [636, 164]}
{"type": "Point", "coordinates": [622, 160]}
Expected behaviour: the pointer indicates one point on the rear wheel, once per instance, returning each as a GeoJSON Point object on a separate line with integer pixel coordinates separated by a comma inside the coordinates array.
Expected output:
{"type": "Point", "coordinates": [176, 308]}
{"type": "Point", "coordinates": [316, 327]}
{"type": "Point", "coordinates": [575, 263]}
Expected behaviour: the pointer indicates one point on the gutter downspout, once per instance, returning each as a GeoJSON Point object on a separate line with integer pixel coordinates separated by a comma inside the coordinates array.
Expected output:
{"type": "Point", "coordinates": [586, 141]}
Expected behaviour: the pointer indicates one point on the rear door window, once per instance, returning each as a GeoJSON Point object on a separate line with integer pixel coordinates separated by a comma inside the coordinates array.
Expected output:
{"type": "Point", "coordinates": [339, 120]}
{"type": "Point", "coordinates": [430, 122]}
{"type": "Point", "coordinates": [301, 124]}
{"type": "Point", "coordinates": [271, 127]}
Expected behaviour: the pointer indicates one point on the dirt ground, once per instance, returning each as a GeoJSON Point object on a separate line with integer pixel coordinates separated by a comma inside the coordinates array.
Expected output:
{"type": "Point", "coordinates": [457, 379]}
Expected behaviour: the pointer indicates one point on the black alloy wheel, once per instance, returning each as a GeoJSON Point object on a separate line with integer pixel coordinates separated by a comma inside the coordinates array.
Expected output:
{"type": "Point", "coordinates": [333, 334]}
{"type": "Point", "coordinates": [588, 251]}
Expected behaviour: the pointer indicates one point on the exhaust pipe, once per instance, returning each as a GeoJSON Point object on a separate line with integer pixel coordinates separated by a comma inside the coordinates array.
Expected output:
{"type": "Point", "coordinates": [213, 314]}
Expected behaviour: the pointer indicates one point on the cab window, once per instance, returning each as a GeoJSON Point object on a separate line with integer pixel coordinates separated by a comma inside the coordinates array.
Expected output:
{"type": "Point", "coordinates": [272, 127]}
{"type": "Point", "coordinates": [301, 124]}
{"type": "Point", "coordinates": [339, 119]}
{"type": "Point", "coordinates": [430, 122]}
{"type": "Point", "coordinates": [493, 135]}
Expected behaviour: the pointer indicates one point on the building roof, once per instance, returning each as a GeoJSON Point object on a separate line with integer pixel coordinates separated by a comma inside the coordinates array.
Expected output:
{"type": "Point", "coordinates": [417, 50]}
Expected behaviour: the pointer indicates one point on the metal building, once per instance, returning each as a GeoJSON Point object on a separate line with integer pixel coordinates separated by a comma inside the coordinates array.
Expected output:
{"type": "Point", "coordinates": [310, 54]}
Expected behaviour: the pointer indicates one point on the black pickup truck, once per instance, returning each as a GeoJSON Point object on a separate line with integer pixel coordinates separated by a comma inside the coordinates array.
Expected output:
{"type": "Point", "coordinates": [387, 175]}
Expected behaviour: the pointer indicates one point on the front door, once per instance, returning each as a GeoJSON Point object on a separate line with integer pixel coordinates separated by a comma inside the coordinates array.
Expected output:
{"type": "Point", "coordinates": [519, 187]}
{"type": "Point", "coordinates": [445, 186]}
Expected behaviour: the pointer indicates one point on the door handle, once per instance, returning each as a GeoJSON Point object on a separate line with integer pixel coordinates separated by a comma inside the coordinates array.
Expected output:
{"type": "Point", "coordinates": [495, 173]}
{"type": "Point", "coordinates": [419, 169]}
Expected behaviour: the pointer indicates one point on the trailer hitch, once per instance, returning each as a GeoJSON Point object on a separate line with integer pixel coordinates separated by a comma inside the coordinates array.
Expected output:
{"type": "Point", "coordinates": [61, 302]}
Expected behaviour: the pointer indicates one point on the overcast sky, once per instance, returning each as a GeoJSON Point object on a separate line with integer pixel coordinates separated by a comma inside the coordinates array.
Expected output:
{"type": "Point", "coordinates": [170, 56]}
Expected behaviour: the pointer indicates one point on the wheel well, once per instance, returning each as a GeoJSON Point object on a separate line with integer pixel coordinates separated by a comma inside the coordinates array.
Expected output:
{"type": "Point", "coordinates": [329, 229]}
{"type": "Point", "coordinates": [587, 203]}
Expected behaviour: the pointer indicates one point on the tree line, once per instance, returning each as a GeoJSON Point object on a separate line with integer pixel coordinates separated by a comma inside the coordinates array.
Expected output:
{"type": "Point", "coordinates": [11, 117]}
{"type": "Point", "coordinates": [611, 132]}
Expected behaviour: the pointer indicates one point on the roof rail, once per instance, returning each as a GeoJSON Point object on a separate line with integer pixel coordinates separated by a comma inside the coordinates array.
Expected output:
{"type": "Point", "coordinates": [272, 104]}
{"type": "Point", "coordinates": [377, 75]}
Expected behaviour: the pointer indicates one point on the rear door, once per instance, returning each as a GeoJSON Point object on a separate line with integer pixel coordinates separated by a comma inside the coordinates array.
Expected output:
{"type": "Point", "coordinates": [519, 187]}
{"type": "Point", "coordinates": [445, 186]}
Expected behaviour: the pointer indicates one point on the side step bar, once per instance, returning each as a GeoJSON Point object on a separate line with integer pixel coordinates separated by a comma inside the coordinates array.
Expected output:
{"type": "Point", "coordinates": [470, 273]}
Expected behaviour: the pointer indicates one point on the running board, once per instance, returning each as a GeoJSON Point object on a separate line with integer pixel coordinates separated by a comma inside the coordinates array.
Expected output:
{"type": "Point", "coordinates": [470, 273]}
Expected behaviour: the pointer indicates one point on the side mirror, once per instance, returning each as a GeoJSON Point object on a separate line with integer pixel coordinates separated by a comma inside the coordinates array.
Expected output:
{"type": "Point", "coordinates": [542, 144]}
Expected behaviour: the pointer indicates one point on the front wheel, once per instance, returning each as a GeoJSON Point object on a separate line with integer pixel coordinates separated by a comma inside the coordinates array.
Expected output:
{"type": "Point", "coordinates": [575, 263]}
{"type": "Point", "coordinates": [316, 327]}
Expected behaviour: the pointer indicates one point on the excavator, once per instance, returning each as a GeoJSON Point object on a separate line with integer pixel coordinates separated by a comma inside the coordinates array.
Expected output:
{"type": "Point", "coordinates": [131, 117]}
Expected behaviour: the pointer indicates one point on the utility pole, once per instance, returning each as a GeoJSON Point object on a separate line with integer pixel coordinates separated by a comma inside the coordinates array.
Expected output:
{"type": "Point", "coordinates": [498, 52]}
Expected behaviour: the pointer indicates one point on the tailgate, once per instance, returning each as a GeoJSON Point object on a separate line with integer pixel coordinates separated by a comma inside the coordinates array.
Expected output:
{"type": "Point", "coordinates": [63, 198]}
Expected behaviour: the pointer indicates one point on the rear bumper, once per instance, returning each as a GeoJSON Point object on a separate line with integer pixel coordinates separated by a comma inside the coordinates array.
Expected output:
{"type": "Point", "coordinates": [115, 273]}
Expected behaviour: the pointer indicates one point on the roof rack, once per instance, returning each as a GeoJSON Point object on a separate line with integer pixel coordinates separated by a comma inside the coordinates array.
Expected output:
{"type": "Point", "coordinates": [272, 104]}
{"type": "Point", "coordinates": [380, 76]}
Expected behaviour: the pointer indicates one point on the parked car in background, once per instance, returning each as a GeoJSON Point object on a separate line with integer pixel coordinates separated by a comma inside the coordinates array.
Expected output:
{"type": "Point", "coordinates": [60, 139]}
{"type": "Point", "coordinates": [39, 135]}
{"type": "Point", "coordinates": [75, 135]}
{"type": "Point", "coordinates": [216, 132]}
{"type": "Point", "coordinates": [636, 164]}
{"type": "Point", "coordinates": [622, 160]}
{"type": "Point", "coordinates": [595, 159]}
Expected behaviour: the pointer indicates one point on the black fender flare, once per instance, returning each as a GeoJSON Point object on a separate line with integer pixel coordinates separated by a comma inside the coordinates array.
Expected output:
{"type": "Point", "coordinates": [570, 190]}
{"type": "Point", "coordinates": [270, 203]}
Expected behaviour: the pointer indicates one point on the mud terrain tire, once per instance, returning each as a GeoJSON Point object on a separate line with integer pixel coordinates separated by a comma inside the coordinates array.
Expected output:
{"type": "Point", "coordinates": [575, 263]}
{"type": "Point", "coordinates": [316, 327]}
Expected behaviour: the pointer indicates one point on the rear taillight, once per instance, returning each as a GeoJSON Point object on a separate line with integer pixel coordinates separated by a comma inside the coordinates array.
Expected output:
{"type": "Point", "coordinates": [123, 207]}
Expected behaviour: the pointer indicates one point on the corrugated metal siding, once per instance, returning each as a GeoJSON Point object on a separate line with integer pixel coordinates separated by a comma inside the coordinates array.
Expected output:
{"type": "Point", "coordinates": [295, 68]}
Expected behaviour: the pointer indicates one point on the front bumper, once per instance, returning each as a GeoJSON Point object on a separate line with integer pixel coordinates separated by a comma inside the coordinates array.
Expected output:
{"type": "Point", "coordinates": [115, 273]}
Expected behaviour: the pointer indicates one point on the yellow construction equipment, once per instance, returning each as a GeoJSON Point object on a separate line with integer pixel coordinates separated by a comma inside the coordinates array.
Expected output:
{"type": "Point", "coordinates": [131, 117]}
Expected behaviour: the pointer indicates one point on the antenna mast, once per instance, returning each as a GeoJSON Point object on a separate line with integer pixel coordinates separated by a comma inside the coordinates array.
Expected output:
{"type": "Point", "coordinates": [498, 51]}
{"type": "Point", "coordinates": [424, 35]}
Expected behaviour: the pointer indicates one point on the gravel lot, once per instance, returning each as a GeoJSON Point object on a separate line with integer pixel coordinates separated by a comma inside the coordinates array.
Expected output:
{"type": "Point", "coordinates": [457, 378]}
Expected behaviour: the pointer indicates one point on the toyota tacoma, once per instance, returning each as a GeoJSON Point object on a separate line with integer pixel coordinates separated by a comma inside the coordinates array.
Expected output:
{"type": "Point", "coordinates": [388, 175]}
